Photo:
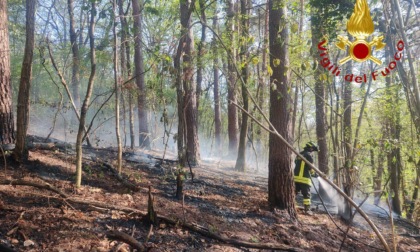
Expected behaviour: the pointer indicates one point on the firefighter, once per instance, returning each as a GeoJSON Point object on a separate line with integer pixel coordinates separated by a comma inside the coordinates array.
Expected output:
{"type": "Point", "coordinates": [302, 174]}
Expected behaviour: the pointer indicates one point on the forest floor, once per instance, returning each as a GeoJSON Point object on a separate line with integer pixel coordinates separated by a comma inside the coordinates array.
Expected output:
{"type": "Point", "coordinates": [230, 208]}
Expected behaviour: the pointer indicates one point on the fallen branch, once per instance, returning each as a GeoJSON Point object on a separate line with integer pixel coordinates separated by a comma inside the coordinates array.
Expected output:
{"type": "Point", "coordinates": [123, 237]}
{"type": "Point", "coordinates": [205, 232]}
{"type": "Point", "coordinates": [193, 227]}
{"type": "Point", "coordinates": [45, 186]}
{"type": "Point", "coordinates": [126, 183]}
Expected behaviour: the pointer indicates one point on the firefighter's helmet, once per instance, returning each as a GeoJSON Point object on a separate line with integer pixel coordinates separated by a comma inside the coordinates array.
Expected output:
{"type": "Point", "coordinates": [312, 146]}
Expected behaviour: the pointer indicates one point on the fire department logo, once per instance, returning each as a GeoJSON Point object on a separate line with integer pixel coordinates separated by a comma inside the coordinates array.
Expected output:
{"type": "Point", "coordinates": [360, 26]}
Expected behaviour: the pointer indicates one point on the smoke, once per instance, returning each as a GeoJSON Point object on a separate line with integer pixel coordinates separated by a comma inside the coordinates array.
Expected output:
{"type": "Point", "coordinates": [102, 134]}
{"type": "Point", "coordinates": [333, 196]}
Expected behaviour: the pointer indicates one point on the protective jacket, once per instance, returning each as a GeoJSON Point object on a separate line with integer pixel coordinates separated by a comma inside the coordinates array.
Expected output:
{"type": "Point", "coordinates": [302, 171]}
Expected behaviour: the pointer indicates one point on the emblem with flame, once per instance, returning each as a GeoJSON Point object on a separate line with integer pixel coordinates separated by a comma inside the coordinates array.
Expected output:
{"type": "Point", "coordinates": [360, 26]}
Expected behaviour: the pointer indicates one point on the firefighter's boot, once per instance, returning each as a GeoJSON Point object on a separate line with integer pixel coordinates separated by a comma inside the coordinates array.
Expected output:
{"type": "Point", "coordinates": [307, 209]}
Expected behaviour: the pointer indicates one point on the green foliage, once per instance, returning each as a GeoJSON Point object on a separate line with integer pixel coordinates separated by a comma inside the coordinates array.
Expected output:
{"type": "Point", "coordinates": [328, 15]}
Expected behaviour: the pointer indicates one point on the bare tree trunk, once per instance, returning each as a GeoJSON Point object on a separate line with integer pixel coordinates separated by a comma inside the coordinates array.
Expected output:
{"type": "Point", "coordinates": [240, 161]}
{"type": "Point", "coordinates": [394, 155]}
{"type": "Point", "coordinates": [320, 97]}
{"type": "Point", "coordinates": [280, 180]}
{"type": "Point", "coordinates": [126, 68]}
{"type": "Point", "coordinates": [21, 152]}
{"type": "Point", "coordinates": [232, 111]}
{"type": "Point", "coordinates": [348, 148]}
{"type": "Point", "coordinates": [80, 133]}
{"type": "Point", "coordinates": [320, 102]}
{"type": "Point", "coordinates": [217, 116]}
{"type": "Point", "coordinates": [189, 100]}
{"type": "Point", "coordinates": [117, 88]}
{"type": "Point", "coordinates": [7, 128]}
{"type": "Point", "coordinates": [298, 83]}
{"type": "Point", "coordinates": [377, 183]}
{"type": "Point", "coordinates": [180, 105]}
{"type": "Point", "coordinates": [144, 136]}
{"type": "Point", "coordinates": [201, 53]}
{"type": "Point", "coordinates": [75, 77]}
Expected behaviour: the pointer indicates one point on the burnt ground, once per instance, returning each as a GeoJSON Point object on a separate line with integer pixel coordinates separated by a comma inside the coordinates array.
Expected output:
{"type": "Point", "coordinates": [225, 202]}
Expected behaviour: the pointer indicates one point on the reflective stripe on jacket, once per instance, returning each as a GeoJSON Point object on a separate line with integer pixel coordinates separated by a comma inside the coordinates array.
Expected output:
{"type": "Point", "coordinates": [300, 178]}
{"type": "Point", "coordinates": [302, 171]}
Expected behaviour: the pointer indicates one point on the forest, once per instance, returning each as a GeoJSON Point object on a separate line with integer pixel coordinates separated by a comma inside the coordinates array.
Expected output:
{"type": "Point", "coordinates": [191, 125]}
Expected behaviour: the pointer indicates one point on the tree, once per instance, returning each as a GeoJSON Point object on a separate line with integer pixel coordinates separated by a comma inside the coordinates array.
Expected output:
{"type": "Point", "coordinates": [21, 153]}
{"type": "Point", "coordinates": [75, 76]}
{"type": "Point", "coordinates": [392, 127]}
{"type": "Point", "coordinates": [201, 51]}
{"type": "Point", "coordinates": [117, 87]}
{"type": "Point", "coordinates": [217, 115]}
{"type": "Point", "coordinates": [320, 97]}
{"type": "Point", "coordinates": [189, 114]}
{"type": "Point", "coordinates": [280, 180]}
{"type": "Point", "coordinates": [232, 111]}
{"type": "Point", "coordinates": [126, 67]}
{"type": "Point", "coordinates": [81, 135]}
{"type": "Point", "coordinates": [7, 128]}
{"type": "Point", "coordinates": [144, 137]}
{"type": "Point", "coordinates": [240, 161]}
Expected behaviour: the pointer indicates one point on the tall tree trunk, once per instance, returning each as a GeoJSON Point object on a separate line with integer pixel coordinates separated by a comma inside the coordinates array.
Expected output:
{"type": "Point", "coordinates": [394, 155]}
{"type": "Point", "coordinates": [320, 111]}
{"type": "Point", "coordinates": [21, 152]}
{"type": "Point", "coordinates": [377, 182]}
{"type": "Point", "coordinates": [201, 45]}
{"type": "Point", "coordinates": [144, 137]}
{"type": "Point", "coordinates": [189, 100]}
{"type": "Point", "coordinates": [81, 135]}
{"type": "Point", "coordinates": [262, 80]}
{"type": "Point", "coordinates": [298, 83]}
{"type": "Point", "coordinates": [320, 97]}
{"type": "Point", "coordinates": [126, 68]}
{"type": "Point", "coordinates": [117, 88]}
{"type": "Point", "coordinates": [232, 111]}
{"type": "Point", "coordinates": [393, 130]}
{"type": "Point", "coordinates": [240, 161]}
{"type": "Point", "coordinates": [75, 76]}
{"type": "Point", "coordinates": [180, 140]}
{"type": "Point", "coordinates": [7, 127]}
{"type": "Point", "coordinates": [347, 142]}
{"type": "Point", "coordinates": [217, 115]}
{"type": "Point", "coordinates": [280, 180]}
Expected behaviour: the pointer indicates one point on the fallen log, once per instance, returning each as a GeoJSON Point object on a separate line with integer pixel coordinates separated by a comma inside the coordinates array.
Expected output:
{"type": "Point", "coordinates": [123, 237]}
{"type": "Point", "coordinates": [44, 185]}
{"type": "Point", "coordinates": [190, 226]}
